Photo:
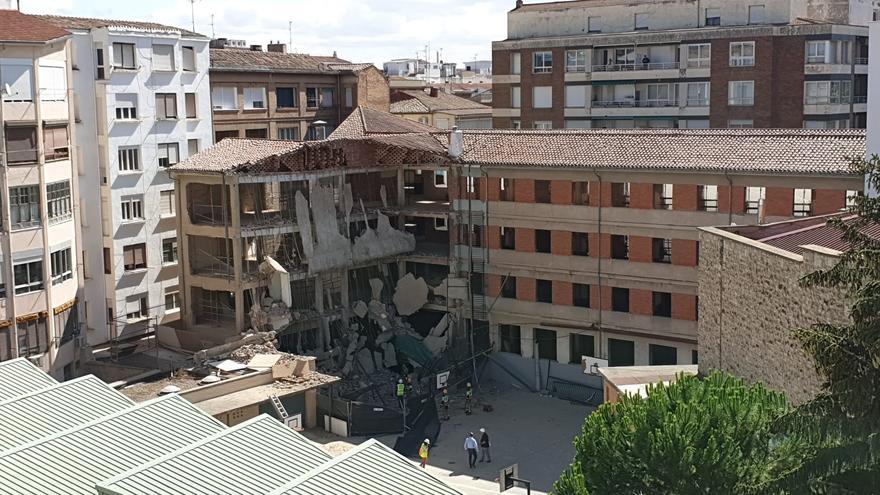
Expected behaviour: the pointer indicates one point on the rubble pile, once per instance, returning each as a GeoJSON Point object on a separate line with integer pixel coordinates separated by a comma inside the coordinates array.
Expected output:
{"type": "Point", "coordinates": [308, 379]}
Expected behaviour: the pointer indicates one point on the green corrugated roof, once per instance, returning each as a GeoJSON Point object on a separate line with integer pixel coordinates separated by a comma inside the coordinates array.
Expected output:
{"type": "Point", "coordinates": [20, 376]}
{"type": "Point", "coordinates": [255, 457]}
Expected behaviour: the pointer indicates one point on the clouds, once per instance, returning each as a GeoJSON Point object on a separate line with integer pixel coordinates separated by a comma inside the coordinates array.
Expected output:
{"type": "Point", "coordinates": [359, 30]}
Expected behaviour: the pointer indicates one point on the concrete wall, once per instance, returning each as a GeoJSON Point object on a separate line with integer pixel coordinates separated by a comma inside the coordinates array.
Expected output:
{"type": "Point", "coordinates": [750, 302]}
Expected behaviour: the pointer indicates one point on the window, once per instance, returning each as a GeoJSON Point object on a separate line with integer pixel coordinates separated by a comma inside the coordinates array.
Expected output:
{"type": "Point", "coordinates": [192, 146]}
{"type": "Point", "coordinates": [516, 63]}
{"type": "Point", "coordinates": [740, 124]}
{"type": "Point", "coordinates": [254, 98]}
{"type": "Point", "coordinates": [136, 308]}
{"type": "Point", "coordinates": [6, 351]}
{"type": "Point", "coordinates": [126, 106]}
{"type": "Point", "coordinates": [851, 198]}
{"type": "Point", "coordinates": [742, 54]}
{"type": "Point", "coordinates": [661, 250]}
{"type": "Point", "coordinates": [620, 247]}
{"type": "Point", "coordinates": [580, 193]}
{"type": "Point", "coordinates": [349, 97]}
{"type": "Point", "coordinates": [660, 94]}
{"type": "Point", "coordinates": [56, 143]}
{"type": "Point", "coordinates": [620, 194]}
{"type": "Point", "coordinates": [827, 92]}
{"type": "Point", "coordinates": [163, 57]}
{"type": "Point", "coordinates": [61, 266]}
{"type": "Point", "coordinates": [698, 94]}
{"type": "Point", "coordinates": [129, 159]}
{"type": "Point", "coordinates": [132, 209]}
{"type": "Point", "coordinates": [581, 295]}
{"type": "Point", "coordinates": [167, 206]}
{"type": "Point", "coordinates": [327, 97]}
{"type": "Point", "coordinates": [542, 241]}
{"type": "Point", "coordinates": [124, 56]}
{"type": "Point", "coordinates": [694, 357]}
{"type": "Point", "coordinates": [508, 238]}
{"type": "Point", "coordinates": [542, 97]}
{"type": "Point", "coordinates": [168, 154]}
{"type": "Point", "coordinates": [506, 189]}
{"type": "Point", "coordinates": [756, 14]}
{"type": "Point", "coordinates": [169, 250]}
{"type": "Point", "coordinates": [256, 133]}
{"type": "Point", "coordinates": [663, 196]}
{"type": "Point", "coordinates": [24, 206]}
{"type": "Point", "coordinates": [440, 224]}
{"type": "Point", "coordinates": [580, 345]}
{"type": "Point", "coordinates": [53, 83]}
{"type": "Point", "coordinates": [542, 191]}
{"type": "Point", "coordinates": [713, 17]}
{"type": "Point", "coordinates": [33, 337]}
{"type": "Point", "coordinates": [100, 65]}
{"type": "Point", "coordinates": [699, 55]}
{"type": "Point", "coordinates": [621, 352]}
{"type": "Point", "coordinates": [312, 98]}
{"type": "Point", "coordinates": [515, 96]}
{"type": "Point", "coordinates": [543, 291]}
{"type": "Point", "coordinates": [440, 178]}
{"type": "Point", "coordinates": [661, 304]}
{"type": "Point", "coordinates": [817, 52]}
{"type": "Point", "coordinates": [508, 289]}
{"type": "Point", "coordinates": [546, 341]}
{"type": "Point", "coordinates": [285, 97]}
{"type": "Point", "coordinates": [580, 244]}
{"type": "Point", "coordinates": [576, 96]}
{"type": "Point", "coordinates": [166, 106]}
{"type": "Point", "coordinates": [576, 61]}
{"type": "Point", "coordinates": [19, 77]}
{"type": "Point", "coordinates": [172, 301]}
{"type": "Point", "coordinates": [509, 335]}
{"type": "Point", "coordinates": [542, 62]}
{"type": "Point", "coordinates": [594, 24]}
{"type": "Point", "coordinates": [741, 93]}
{"type": "Point", "coordinates": [28, 277]}
{"type": "Point", "coordinates": [225, 97]}
{"type": "Point", "coordinates": [753, 198]}
{"type": "Point", "coordinates": [641, 21]}
{"type": "Point", "coordinates": [620, 299]}
{"type": "Point", "coordinates": [189, 58]}
{"type": "Point", "coordinates": [59, 206]}
{"type": "Point", "coordinates": [803, 202]}
{"type": "Point", "coordinates": [577, 124]}
{"type": "Point", "coordinates": [662, 355]}
{"type": "Point", "coordinates": [189, 100]}
{"type": "Point", "coordinates": [134, 257]}
{"type": "Point", "coordinates": [21, 144]}
{"type": "Point", "coordinates": [707, 198]}
{"type": "Point", "coordinates": [543, 124]}
{"type": "Point", "coordinates": [288, 133]}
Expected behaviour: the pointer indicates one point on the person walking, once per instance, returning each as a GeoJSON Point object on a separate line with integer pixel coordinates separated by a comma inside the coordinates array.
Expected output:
{"type": "Point", "coordinates": [484, 446]}
{"type": "Point", "coordinates": [401, 392]}
{"type": "Point", "coordinates": [444, 401]}
{"type": "Point", "coordinates": [470, 445]}
{"type": "Point", "coordinates": [468, 398]}
{"type": "Point", "coordinates": [423, 451]}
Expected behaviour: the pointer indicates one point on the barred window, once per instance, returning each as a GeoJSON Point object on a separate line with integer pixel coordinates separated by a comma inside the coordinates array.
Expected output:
{"type": "Point", "coordinates": [24, 206]}
{"type": "Point", "coordinates": [62, 268]}
{"type": "Point", "coordinates": [58, 201]}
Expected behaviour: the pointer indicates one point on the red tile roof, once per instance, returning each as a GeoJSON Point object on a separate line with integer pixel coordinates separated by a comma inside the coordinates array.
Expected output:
{"type": "Point", "coordinates": [16, 27]}
{"type": "Point", "coordinates": [418, 101]}
{"type": "Point", "coordinates": [790, 235]}
{"type": "Point", "coordinates": [94, 23]}
{"type": "Point", "coordinates": [366, 121]}
{"type": "Point", "coordinates": [231, 59]}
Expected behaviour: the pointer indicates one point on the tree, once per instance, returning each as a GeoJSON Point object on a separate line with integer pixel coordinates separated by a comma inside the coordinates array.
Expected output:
{"type": "Point", "coordinates": [691, 436]}
{"type": "Point", "coordinates": [840, 428]}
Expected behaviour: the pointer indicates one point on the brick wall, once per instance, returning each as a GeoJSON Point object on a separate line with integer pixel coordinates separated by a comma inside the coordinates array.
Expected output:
{"type": "Point", "coordinates": [828, 201]}
{"type": "Point", "coordinates": [640, 249]}
{"type": "Point", "coordinates": [641, 195]}
{"type": "Point", "coordinates": [493, 237]}
{"type": "Point", "coordinates": [372, 90]}
{"type": "Point", "coordinates": [600, 245]}
{"type": "Point", "coordinates": [560, 192]}
{"type": "Point", "coordinates": [493, 188]}
{"type": "Point", "coordinates": [525, 289]}
{"type": "Point", "coordinates": [493, 285]}
{"type": "Point", "coordinates": [605, 294]}
{"type": "Point", "coordinates": [731, 199]}
{"type": "Point", "coordinates": [525, 240]}
{"type": "Point", "coordinates": [562, 293]}
{"type": "Point", "coordinates": [641, 302]}
{"type": "Point", "coordinates": [779, 201]}
{"type": "Point", "coordinates": [684, 306]}
{"type": "Point", "coordinates": [684, 197]}
{"type": "Point", "coordinates": [560, 242]}
{"type": "Point", "coordinates": [600, 192]}
{"type": "Point", "coordinates": [684, 252]}
{"type": "Point", "coordinates": [524, 190]}
{"type": "Point", "coordinates": [555, 79]}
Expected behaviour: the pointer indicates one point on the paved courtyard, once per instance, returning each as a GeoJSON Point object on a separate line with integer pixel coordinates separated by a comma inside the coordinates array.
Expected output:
{"type": "Point", "coordinates": [532, 430]}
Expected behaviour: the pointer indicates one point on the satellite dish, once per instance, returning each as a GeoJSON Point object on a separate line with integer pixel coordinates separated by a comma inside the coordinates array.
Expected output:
{"type": "Point", "coordinates": [170, 389]}
{"type": "Point", "coordinates": [210, 379]}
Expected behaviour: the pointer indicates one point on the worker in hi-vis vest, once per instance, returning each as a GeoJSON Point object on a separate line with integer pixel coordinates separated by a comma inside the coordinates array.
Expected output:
{"type": "Point", "coordinates": [401, 393]}
{"type": "Point", "coordinates": [423, 451]}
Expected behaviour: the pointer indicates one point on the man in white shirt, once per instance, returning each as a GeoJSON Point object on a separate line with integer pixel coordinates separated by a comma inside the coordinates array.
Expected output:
{"type": "Point", "coordinates": [471, 446]}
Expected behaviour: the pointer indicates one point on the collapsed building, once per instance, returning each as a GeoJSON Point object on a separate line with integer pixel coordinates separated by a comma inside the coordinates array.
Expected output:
{"type": "Point", "coordinates": [340, 246]}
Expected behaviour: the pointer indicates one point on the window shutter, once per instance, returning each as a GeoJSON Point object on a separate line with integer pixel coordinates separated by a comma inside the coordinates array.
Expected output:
{"type": "Point", "coordinates": [163, 57]}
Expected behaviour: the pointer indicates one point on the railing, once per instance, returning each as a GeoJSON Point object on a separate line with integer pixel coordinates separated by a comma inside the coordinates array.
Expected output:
{"type": "Point", "coordinates": [208, 214]}
{"type": "Point", "coordinates": [636, 66]}
{"type": "Point", "coordinates": [834, 100]}
{"type": "Point", "coordinates": [635, 103]}
{"type": "Point", "coordinates": [861, 60]}
{"type": "Point", "coordinates": [860, 99]}
{"type": "Point", "coordinates": [744, 101]}
{"type": "Point", "coordinates": [697, 102]}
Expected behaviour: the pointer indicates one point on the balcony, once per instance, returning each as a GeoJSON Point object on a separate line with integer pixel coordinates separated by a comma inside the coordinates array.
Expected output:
{"type": "Point", "coordinates": [628, 103]}
{"type": "Point", "coordinates": [636, 66]}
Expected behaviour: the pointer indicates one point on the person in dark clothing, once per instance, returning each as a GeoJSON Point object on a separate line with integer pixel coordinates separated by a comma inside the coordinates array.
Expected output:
{"type": "Point", "coordinates": [484, 446]}
{"type": "Point", "coordinates": [470, 445]}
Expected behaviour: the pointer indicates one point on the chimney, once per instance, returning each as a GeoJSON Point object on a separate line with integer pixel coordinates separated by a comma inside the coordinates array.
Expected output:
{"type": "Point", "coordinates": [519, 3]}
{"type": "Point", "coordinates": [456, 143]}
{"type": "Point", "coordinates": [434, 92]}
{"type": "Point", "coordinates": [276, 47]}
{"type": "Point", "coordinates": [256, 48]}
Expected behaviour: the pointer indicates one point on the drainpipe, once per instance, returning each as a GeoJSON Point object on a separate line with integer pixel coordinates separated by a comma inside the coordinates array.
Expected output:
{"type": "Point", "coordinates": [729, 199]}
{"type": "Point", "coordinates": [599, 261]}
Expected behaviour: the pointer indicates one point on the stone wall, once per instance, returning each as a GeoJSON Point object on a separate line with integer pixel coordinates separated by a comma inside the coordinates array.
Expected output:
{"type": "Point", "coordinates": [750, 303]}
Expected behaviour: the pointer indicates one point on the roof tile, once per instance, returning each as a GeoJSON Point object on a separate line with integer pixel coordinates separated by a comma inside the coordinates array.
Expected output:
{"type": "Point", "coordinates": [249, 60]}
{"type": "Point", "coordinates": [94, 23]}
{"type": "Point", "coordinates": [23, 28]}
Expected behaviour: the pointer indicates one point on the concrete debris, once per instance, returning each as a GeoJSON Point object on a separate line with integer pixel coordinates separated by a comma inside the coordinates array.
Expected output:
{"type": "Point", "coordinates": [307, 380]}
{"type": "Point", "coordinates": [383, 193]}
{"type": "Point", "coordinates": [376, 286]}
{"type": "Point", "coordinates": [360, 309]}
{"type": "Point", "coordinates": [390, 355]}
{"type": "Point", "coordinates": [438, 339]}
{"type": "Point", "coordinates": [305, 223]}
{"type": "Point", "coordinates": [385, 240]}
{"type": "Point", "coordinates": [347, 202]}
{"type": "Point", "coordinates": [332, 249]}
{"type": "Point", "coordinates": [226, 350]}
{"type": "Point", "coordinates": [410, 295]}
{"type": "Point", "coordinates": [279, 280]}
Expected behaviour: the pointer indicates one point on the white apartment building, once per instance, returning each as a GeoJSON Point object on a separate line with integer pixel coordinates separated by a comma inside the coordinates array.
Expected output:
{"type": "Point", "coordinates": [39, 240]}
{"type": "Point", "coordinates": [143, 103]}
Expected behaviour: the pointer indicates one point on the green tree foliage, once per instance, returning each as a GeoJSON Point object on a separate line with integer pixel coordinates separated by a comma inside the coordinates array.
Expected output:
{"type": "Point", "coordinates": [840, 428]}
{"type": "Point", "coordinates": [691, 436]}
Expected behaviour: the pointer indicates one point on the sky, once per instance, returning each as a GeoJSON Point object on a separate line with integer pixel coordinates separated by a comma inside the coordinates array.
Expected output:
{"type": "Point", "coordinates": [358, 30]}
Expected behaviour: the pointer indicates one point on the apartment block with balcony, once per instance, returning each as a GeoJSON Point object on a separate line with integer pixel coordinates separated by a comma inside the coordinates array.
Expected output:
{"type": "Point", "coordinates": [685, 64]}
{"type": "Point", "coordinates": [590, 238]}
{"type": "Point", "coordinates": [40, 245]}
{"type": "Point", "coordinates": [142, 104]}
{"type": "Point", "coordinates": [291, 96]}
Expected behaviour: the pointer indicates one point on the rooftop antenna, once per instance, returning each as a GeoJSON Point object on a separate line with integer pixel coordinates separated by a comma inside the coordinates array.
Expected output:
{"type": "Point", "coordinates": [192, 8]}
{"type": "Point", "coordinates": [212, 27]}
{"type": "Point", "coordinates": [290, 35]}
